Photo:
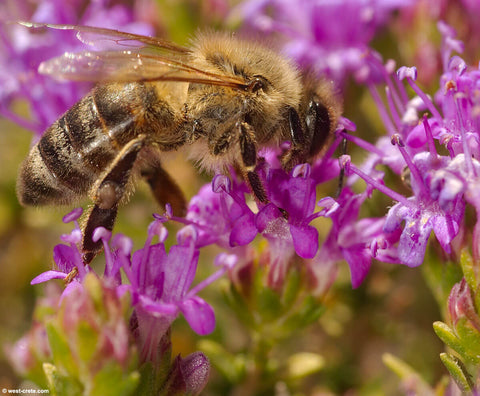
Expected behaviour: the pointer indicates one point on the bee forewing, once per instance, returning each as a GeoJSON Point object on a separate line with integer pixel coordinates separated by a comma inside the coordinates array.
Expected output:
{"type": "Point", "coordinates": [111, 39]}
{"type": "Point", "coordinates": [129, 66]}
{"type": "Point", "coordinates": [104, 66]}
{"type": "Point", "coordinates": [147, 59]}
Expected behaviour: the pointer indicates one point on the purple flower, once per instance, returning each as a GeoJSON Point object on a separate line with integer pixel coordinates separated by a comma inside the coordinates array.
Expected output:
{"type": "Point", "coordinates": [330, 36]}
{"type": "Point", "coordinates": [160, 284]}
{"type": "Point", "coordinates": [440, 185]}
{"type": "Point", "coordinates": [355, 240]}
{"type": "Point", "coordinates": [22, 50]}
{"type": "Point", "coordinates": [220, 213]}
{"type": "Point", "coordinates": [429, 209]}
{"type": "Point", "coordinates": [67, 258]}
{"type": "Point", "coordinates": [288, 215]}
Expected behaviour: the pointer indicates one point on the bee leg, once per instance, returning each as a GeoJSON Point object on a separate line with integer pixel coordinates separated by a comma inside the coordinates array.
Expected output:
{"type": "Point", "coordinates": [106, 194]}
{"type": "Point", "coordinates": [248, 149]}
{"type": "Point", "coordinates": [297, 152]}
{"type": "Point", "coordinates": [164, 188]}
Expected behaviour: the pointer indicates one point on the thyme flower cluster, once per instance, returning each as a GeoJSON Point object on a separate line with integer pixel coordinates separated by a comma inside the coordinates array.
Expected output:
{"type": "Point", "coordinates": [430, 143]}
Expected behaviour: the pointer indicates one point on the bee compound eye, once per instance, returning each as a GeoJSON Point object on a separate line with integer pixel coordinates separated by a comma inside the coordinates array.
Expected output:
{"type": "Point", "coordinates": [256, 84]}
{"type": "Point", "coordinates": [318, 123]}
{"type": "Point", "coordinates": [107, 196]}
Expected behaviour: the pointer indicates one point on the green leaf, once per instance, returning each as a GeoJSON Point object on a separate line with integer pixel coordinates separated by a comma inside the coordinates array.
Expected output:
{"type": "Point", "coordinates": [95, 291]}
{"type": "Point", "coordinates": [291, 288]}
{"type": "Point", "coordinates": [440, 276]}
{"type": "Point", "coordinates": [51, 374]}
{"type": "Point", "coordinates": [147, 385]}
{"type": "Point", "coordinates": [460, 345]}
{"type": "Point", "coordinates": [408, 375]}
{"type": "Point", "coordinates": [111, 380]}
{"type": "Point", "coordinates": [308, 313]}
{"type": "Point", "coordinates": [61, 353]}
{"type": "Point", "coordinates": [458, 372]}
{"type": "Point", "coordinates": [60, 385]}
{"type": "Point", "coordinates": [466, 262]}
{"type": "Point", "coordinates": [232, 367]}
{"type": "Point", "coordinates": [87, 339]}
{"type": "Point", "coordinates": [448, 337]}
{"type": "Point", "coordinates": [238, 304]}
{"type": "Point", "coordinates": [470, 339]}
{"type": "Point", "coordinates": [469, 273]}
{"type": "Point", "coordinates": [269, 305]}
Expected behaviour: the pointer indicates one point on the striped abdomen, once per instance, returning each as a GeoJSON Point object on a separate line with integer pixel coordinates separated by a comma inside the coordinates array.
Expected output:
{"type": "Point", "coordinates": [79, 146]}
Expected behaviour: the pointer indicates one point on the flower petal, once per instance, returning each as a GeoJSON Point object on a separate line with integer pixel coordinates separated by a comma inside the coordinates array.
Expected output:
{"type": "Point", "coordinates": [199, 315]}
{"type": "Point", "coordinates": [413, 242]}
{"type": "Point", "coordinates": [243, 231]}
{"type": "Point", "coordinates": [266, 215]}
{"type": "Point", "coordinates": [46, 276]}
{"type": "Point", "coordinates": [305, 240]}
{"type": "Point", "coordinates": [359, 261]}
{"type": "Point", "coordinates": [65, 257]}
{"type": "Point", "coordinates": [158, 307]}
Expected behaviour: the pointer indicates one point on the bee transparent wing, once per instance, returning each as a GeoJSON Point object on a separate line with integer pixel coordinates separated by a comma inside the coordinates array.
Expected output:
{"type": "Point", "coordinates": [128, 66]}
{"type": "Point", "coordinates": [110, 38]}
{"type": "Point", "coordinates": [146, 59]}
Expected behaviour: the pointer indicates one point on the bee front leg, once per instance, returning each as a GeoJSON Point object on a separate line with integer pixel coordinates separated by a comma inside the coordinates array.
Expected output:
{"type": "Point", "coordinates": [107, 193]}
{"type": "Point", "coordinates": [248, 150]}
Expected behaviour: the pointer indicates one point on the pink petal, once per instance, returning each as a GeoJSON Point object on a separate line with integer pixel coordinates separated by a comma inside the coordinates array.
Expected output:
{"type": "Point", "coordinates": [199, 315]}
{"type": "Point", "coordinates": [305, 240]}
{"type": "Point", "coordinates": [46, 276]}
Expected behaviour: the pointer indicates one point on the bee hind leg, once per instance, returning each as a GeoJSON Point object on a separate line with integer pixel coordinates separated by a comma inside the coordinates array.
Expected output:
{"type": "Point", "coordinates": [164, 188]}
{"type": "Point", "coordinates": [106, 194]}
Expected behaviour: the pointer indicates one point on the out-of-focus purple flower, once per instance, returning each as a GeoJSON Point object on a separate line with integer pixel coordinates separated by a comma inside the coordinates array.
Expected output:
{"type": "Point", "coordinates": [82, 335]}
{"type": "Point", "coordinates": [28, 354]}
{"type": "Point", "coordinates": [332, 37]}
{"type": "Point", "coordinates": [22, 50]}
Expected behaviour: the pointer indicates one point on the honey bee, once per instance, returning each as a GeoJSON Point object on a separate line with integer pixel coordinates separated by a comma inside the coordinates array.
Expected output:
{"type": "Point", "coordinates": [221, 99]}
